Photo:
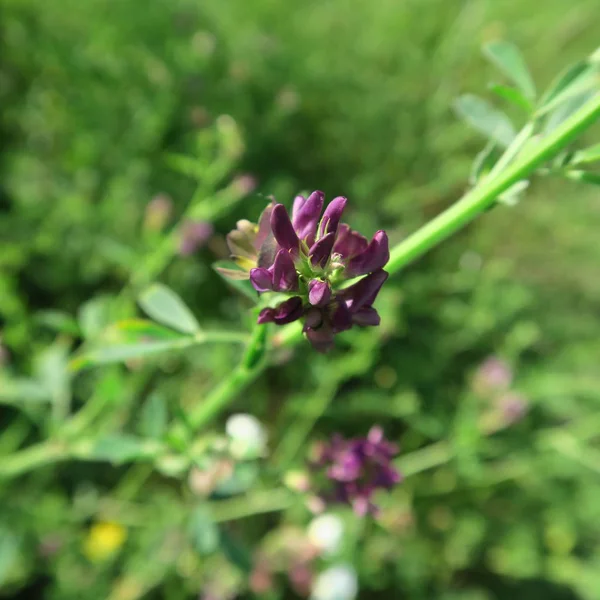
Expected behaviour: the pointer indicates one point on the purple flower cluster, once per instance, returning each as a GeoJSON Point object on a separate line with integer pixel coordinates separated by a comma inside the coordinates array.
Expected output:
{"type": "Point", "coordinates": [357, 467]}
{"type": "Point", "coordinates": [305, 260]}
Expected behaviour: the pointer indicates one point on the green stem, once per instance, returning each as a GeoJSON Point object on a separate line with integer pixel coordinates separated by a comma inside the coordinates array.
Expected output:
{"type": "Point", "coordinates": [46, 453]}
{"type": "Point", "coordinates": [250, 366]}
{"type": "Point", "coordinates": [485, 194]}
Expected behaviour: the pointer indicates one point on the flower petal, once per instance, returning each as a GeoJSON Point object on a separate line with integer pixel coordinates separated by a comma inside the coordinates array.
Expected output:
{"type": "Point", "coordinates": [288, 311]}
{"type": "Point", "coordinates": [349, 243]}
{"type": "Point", "coordinates": [321, 250]}
{"type": "Point", "coordinates": [341, 320]}
{"type": "Point", "coordinates": [298, 204]}
{"type": "Point", "coordinates": [319, 292]}
{"type": "Point", "coordinates": [266, 315]}
{"type": "Point", "coordinates": [306, 218]}
{"type": "Point", "coordinates": [261, 279]}
{"type": "Point", "coordinates": [283, 230]}
{"type": "Point", "coordinates": [313, 319]}
{"type": "Point", "coordinates": [332, 215]}
{"type": "Point", "coordinates": [321, 339]}
{"type": "Point", "coordinates": [374, 257]}
{"type": "Point", "coordinates": [364, 292]}
{"type": "Point", "coordinates": [366, 316]}
{"type": "Point", "coordinates": [285, 278]}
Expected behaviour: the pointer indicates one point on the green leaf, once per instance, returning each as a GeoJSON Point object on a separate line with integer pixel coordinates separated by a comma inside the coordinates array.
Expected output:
{"type": "Point", "coordinates": [584, 176]}
{"type": "Point", "coordinates": [589, 155]}
{"type": "Point", "coordinates": [203, 531]}
{"type": "Point", "coordinates": [165, 306]}
{"type": "Point", "coordinates": [513, 194]}
{"type": "Point", "coordinates": [94, 316]}
{"type": "Point", "coordinates": [153, 417]}
{"type": "Point", "coordinates": [484, 162]}
{"type": "Point", "coordinates": [509, 60]}
{"type": "Point", "coordinates": [236, 277]}
{"type": "Point", "coordinates": [242, 479]}
{"type": "Point", "coordinates": [567, 108]}
{"type": "Point", "coordinates": [58, 321]}
{"type": "Point", "coordinates": [236, 553]}
{"type": "Point", "coordinates": [138, 330]}
{"type": "Point", "coordinates": [564, 80]}
{"type": "Point", "coordinates": [119, 448]}
{"type": "Point", "coordinates": [483, 117]}
{"type": "Point", "coordinates": [23, 390]}
{"type": "Point", "coordinates": [512, 95]}
{"type": "Point", "coordinates": [122, 352]}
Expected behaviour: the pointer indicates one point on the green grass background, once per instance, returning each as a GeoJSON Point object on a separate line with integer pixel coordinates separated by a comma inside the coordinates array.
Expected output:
{"type": "Point", "coordinates": [352, 97]}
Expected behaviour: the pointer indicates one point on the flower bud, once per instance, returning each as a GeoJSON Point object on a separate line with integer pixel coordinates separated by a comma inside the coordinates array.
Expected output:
{"type": "Point", "coordinates": [326, 533]}
{"type": "Point", "coordinates": [336, 583]}
{"type": "Point", "coordinates": [247, 437]}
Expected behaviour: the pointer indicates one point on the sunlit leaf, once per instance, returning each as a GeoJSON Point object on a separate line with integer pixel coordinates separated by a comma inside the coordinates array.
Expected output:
{"type": "Point", "coordinates": [512, 95]}
{"type": "Point", "coordinates": [483, 117]}
{"type": "Point", "coordinates": [509, 60]}
{"type": "Point", "coordinates": [234, 277]}
{"type": "Point", "coordinates": [165, 306]}
{"type": "Point", "coordinates": [572, 74]}
{"type": "Point", "coordinates": [589, 155]}
{"type": "Point", "coordinates": [584, 177]}
{"type": "Point", "coordinates": [93, 316]}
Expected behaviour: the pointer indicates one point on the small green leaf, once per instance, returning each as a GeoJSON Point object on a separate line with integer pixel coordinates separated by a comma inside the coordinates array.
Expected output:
{"type": "Point", "coordinates": [564, 80]}
{"type": "Point", "coordinates": [153, 417]}
{"type": "Point", "coordinates": [513, 194]}
{"type": "Point", "coordinates": [119, 448]}
{"type": "Point", "coordinates": [512, 95]}
{"type": "Point", "coordinates": [483, 117]}
{"type": "Point", "coordinates": [236, 277]}
{"type": "Point", "coordinates": [509, 60]}
{"type": "Point", "coordinates": [58, 321]}
{"type": "Point", "coordinates": [93, 316]}
{"type": "Point", "coordinates": [23, 390]}
{"type": "Point", "coordinates": [236, 553]}
{"type": "Point", "coordinates": [588, 155]}
{"type": "Point", "coordinates": [584, 176]}
{"type": "Point", "coordinates": [138, 330]}
{"type": "Point", "coordinates": [484, 162]}
{"type": "Point", "coordinates": [203, 531]}
{"type": "Point", "coordinates": [122, 352]}
{"type": "Point", "coordinates": [165, 306]}
{"type": "Point", "coordinates": [567, 108]}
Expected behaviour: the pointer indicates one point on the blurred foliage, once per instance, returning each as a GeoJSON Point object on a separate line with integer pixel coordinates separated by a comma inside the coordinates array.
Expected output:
{"type": "Point", "coordinates": [103, 100]}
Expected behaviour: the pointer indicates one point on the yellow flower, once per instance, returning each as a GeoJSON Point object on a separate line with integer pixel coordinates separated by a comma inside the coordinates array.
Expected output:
{"type": "Point", "coordinates": [104, 539]}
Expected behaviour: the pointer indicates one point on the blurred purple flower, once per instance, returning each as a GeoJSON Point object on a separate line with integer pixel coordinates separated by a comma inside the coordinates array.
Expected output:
{"type": "Point", "coordinates": [158, 212]}
{"type": "Point", "coordinates": [493, 375]}
{"type": "Point", "coordinates": [194, 235]}
{"type": "Point", "coordinates": [356, 468]}
{"type": "Point", "coordinates": [309, 257]}
{"type": "Point", "coordinates": [245, 184]}
{"type": "Point", "coordinates": [513, 407]}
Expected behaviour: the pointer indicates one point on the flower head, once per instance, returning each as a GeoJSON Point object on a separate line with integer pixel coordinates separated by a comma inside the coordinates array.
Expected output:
{"type": "Point", "coordinates": [357, 467]}
{"type": "Point", "coordinates": [308, 258]}
{"type": "Point", "coordinates": [194, 235]}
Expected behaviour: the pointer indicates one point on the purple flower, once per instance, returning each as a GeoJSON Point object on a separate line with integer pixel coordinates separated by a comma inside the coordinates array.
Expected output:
{"type": "Point", "coordinates": [194, 235]}
{"type": "Point", "coordinates": [310, 257]}
{"type": "Point", "coordinates": [356, 468]}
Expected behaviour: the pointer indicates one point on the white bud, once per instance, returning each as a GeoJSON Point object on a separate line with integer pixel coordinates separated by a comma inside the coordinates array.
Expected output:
{"type": "Point", "coordinates": [248, 438]}
{"type": "Point", "coordinates": [326, 533]}
{"type": "Point", "coordinates": [336, 583]}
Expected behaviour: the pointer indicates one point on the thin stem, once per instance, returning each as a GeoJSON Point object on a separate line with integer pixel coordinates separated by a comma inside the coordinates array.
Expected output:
{"type": "Point", "coordinates": [46, 453]}
{"type": "Point", "coordinates": [254, 504]}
